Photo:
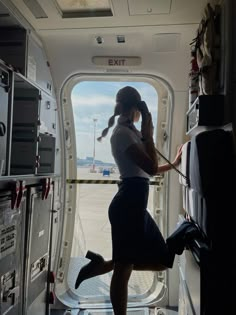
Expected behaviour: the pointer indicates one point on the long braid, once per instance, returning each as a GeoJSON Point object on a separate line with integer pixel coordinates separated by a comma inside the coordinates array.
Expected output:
{"type": "Point", "coordinates": [111, 121]}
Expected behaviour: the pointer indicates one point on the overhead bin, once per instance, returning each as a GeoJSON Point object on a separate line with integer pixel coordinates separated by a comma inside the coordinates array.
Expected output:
{"type": "Point", "coordinates": [20, 51]}
{"type": "Point", "coordinates": [13, 43]}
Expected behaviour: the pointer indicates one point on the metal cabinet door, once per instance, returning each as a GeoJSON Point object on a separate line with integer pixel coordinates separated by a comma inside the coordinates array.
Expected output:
{"type": "Point", "coordinates": [4, 85]}
{"type": "Point", "coordinates": [38, 67]}
{"type": "Point", "coordinates": [47, 114]}
{"type": "Point", "coordinates": [38, 237]}
{"type": "Point", "coordinates": [11, 257]}
{"type": "Point", "coordinates": [24, 128]}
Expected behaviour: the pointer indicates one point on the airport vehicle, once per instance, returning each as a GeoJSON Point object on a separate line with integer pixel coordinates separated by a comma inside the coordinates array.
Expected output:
{"type": "Point", "coordinates": [183, 49]}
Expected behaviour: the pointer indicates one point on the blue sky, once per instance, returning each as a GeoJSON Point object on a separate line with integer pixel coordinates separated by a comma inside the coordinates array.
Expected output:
{"type": "Point", "coordinates": [96, 99]}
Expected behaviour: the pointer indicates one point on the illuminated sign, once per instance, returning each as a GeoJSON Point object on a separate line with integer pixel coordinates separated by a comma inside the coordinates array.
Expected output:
{"type": "Point", "coordinates": [116, 61]}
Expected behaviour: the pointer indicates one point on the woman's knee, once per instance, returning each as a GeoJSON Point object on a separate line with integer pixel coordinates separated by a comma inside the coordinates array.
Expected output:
{"type": "Point", "coordinates": [122, 270]}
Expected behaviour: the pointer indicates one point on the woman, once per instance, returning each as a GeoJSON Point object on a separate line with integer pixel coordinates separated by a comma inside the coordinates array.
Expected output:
{"type": "Point", "coordinates": [136, 240]}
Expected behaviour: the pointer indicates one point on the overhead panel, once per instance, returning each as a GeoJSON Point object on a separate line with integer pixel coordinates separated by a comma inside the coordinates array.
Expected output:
{"type": "Point", "coordinates": [36, 9]}
{"type": "Point", "coordinates": [83, 8]}
{"type": "Point", "coordinates": [166, 42]}
{"type": "Point", "coordinates": [149, 7]}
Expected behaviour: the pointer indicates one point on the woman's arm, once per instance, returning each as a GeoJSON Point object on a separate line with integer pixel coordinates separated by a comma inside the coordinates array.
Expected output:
{"type": "Point", "coordinates": [147, 158]}
{"type": "Point", "coordinates": [143, 160]}
{"type": "Point", "coordinates": [147, 134]}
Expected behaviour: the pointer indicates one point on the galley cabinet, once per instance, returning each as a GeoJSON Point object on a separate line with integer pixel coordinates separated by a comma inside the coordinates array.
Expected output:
{"type": "Point", "coordinates": [12, 227]}
{"type": "Point", "coordinates": [4, 118]}
{"type": "Point", "coordinates": [39, 205]}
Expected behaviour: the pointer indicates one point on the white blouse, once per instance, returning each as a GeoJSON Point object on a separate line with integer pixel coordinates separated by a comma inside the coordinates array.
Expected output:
{"type": "Point", "coordinates": [124, 135]}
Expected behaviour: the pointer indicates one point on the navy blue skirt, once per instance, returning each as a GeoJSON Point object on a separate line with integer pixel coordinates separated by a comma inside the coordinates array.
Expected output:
{"type": "Point", "coordinates": [136, 238]}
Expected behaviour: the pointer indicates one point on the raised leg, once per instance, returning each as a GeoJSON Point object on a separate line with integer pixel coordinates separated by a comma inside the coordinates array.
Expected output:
{"type": "Point", "coordinates": [97, 266]}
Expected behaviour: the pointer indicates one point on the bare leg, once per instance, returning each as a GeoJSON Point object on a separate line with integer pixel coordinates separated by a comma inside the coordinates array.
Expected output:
{"type": "Point", "coordinates": [119, 287]}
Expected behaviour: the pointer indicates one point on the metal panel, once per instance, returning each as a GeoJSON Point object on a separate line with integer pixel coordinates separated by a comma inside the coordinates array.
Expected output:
{"type": "Point", "coordinates": [38, 67]}
{"type": "Point", "coordinates": [39, 214]}
{"type": "Point", "coordinates": [4, 87]}
{"type": "Point", "coordinates": [25, 128]}
{"type": "Point", "coordinates": [185, 304]}
{"type": "Point", "coordinates": [192, 276]}
{"type": "Point", "coordinates": [11, 256]}
{"type": "Point", "coordinates": [47, 114]}
{"type": "Point", "coordinates": [46, 154]}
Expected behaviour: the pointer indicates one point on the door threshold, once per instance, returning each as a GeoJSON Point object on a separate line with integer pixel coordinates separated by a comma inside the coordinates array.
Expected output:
{"type": "Point", "coordinates": [130, 311]}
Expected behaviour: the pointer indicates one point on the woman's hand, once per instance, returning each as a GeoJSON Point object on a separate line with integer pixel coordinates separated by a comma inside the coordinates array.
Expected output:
{"type": "Point", "coordinates": [142, 107]}
{"type": "Point", "coordinates": [178, 156]}
{"type": "Point", "coordinates": [147, 127]}
{"type": "Point", "coordinates": [147, 124]}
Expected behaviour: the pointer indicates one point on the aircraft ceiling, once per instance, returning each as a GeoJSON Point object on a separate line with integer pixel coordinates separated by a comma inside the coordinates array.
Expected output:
{"type": "Point", "coordinates": [64, 14]}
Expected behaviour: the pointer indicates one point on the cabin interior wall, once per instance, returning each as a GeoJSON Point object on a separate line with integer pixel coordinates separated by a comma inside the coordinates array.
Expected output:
{"type": "Point", "coordinates": [71, 52]}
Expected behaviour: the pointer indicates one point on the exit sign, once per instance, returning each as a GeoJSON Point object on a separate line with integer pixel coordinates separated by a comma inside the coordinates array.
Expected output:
{"type": "Point", "coordinates": [116, 61]}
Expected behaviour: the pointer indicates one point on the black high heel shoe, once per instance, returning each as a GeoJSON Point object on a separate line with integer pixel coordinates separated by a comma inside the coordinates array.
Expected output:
{"type": "Point", "coordinates": [89, 270]}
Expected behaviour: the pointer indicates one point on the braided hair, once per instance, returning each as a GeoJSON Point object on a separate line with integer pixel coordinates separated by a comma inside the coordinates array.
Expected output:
{"type": "Point", "coordinates": [126, 100]}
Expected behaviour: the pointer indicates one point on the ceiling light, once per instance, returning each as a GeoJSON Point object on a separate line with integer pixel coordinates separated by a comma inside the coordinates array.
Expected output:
{"type": "Point", "coordinates": [83, 8]}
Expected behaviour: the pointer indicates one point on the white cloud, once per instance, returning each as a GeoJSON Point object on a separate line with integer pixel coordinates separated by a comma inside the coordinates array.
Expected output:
{"type": "Point", "coordinates": [94, 100]}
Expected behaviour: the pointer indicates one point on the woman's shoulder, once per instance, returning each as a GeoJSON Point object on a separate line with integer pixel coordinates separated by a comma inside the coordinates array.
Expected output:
{"type": "Point", "coordinates": [122, 131]}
